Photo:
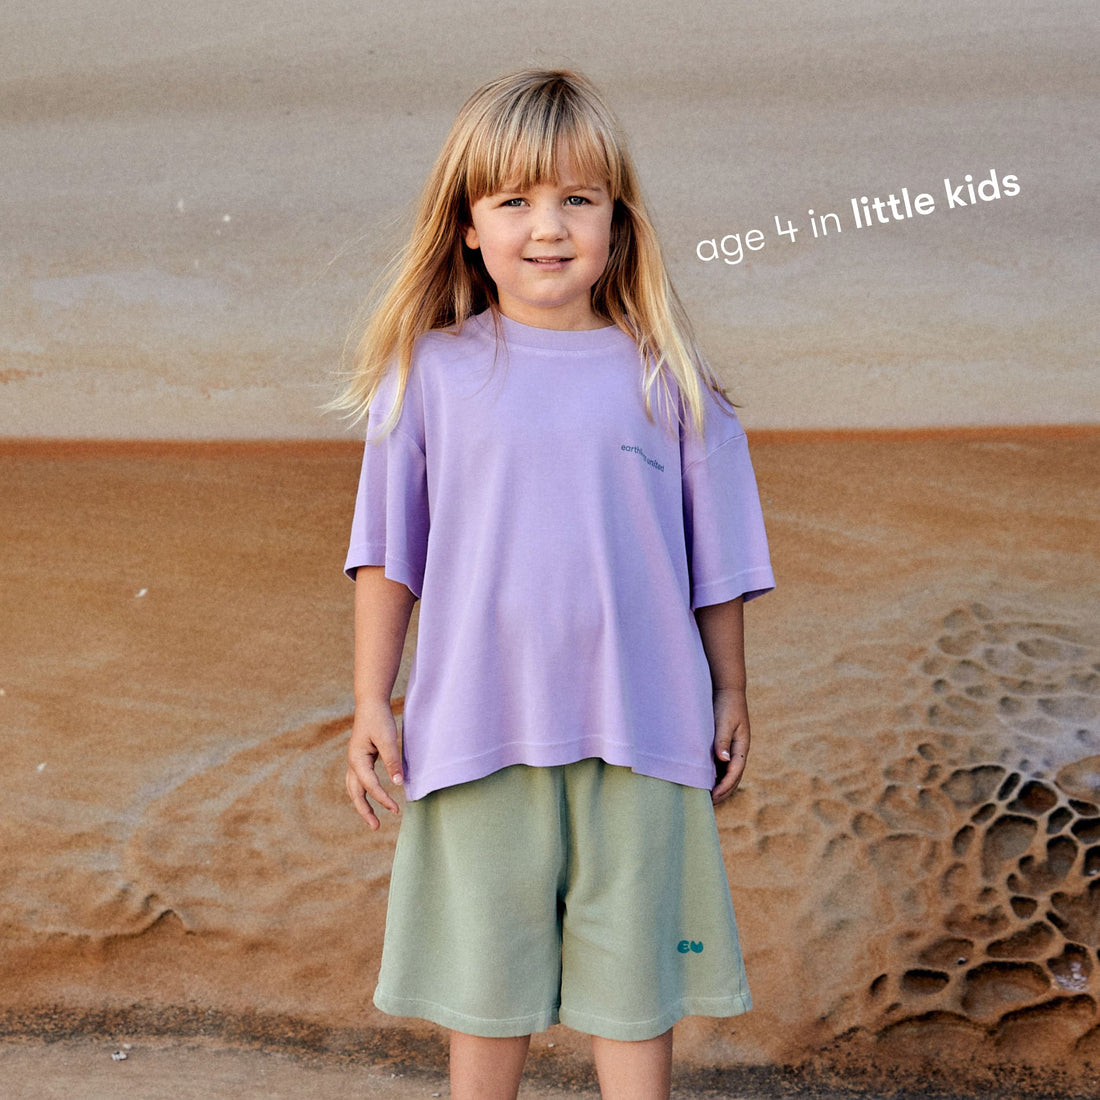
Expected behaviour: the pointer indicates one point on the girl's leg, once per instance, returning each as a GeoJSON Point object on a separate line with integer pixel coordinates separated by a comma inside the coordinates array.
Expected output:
{"type": "Point", "coordinates": [486, 1069]}
{"type": "Point", "coordinates": [634, 1071]}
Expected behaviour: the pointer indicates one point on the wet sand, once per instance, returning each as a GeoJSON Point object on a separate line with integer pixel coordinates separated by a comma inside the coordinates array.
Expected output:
{"type": "Point", "coordinates": [913, 854]}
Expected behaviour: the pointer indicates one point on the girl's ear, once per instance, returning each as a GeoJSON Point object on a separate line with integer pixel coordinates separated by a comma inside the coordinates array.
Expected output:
{"type": "Point", "coordinates": [470, 237]}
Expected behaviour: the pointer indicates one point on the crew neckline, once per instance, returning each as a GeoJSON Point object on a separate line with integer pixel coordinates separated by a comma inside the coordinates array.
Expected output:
{"type": "Point", "coordinates": [558, 339]}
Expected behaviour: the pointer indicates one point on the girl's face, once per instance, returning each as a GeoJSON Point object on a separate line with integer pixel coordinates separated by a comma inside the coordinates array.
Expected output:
{"type": "Point", "coordinates": [544, 248]}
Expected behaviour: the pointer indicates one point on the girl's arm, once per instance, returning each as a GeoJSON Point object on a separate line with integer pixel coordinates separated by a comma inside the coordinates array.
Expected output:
{"type": "Point", "coordinates": [722, 628]}
{"type": "Point", "coordinates": [382, 610]}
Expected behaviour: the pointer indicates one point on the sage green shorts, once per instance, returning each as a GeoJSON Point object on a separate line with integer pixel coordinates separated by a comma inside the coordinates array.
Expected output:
{"type": "Point", "coordinates": [585, 894]}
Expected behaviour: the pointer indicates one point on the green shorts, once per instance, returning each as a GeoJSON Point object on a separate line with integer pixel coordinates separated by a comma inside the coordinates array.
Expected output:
{"type": "Point", "coordinates": [585, 894]}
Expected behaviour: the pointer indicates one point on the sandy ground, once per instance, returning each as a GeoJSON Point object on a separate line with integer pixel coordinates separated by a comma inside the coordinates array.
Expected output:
{"type": "Point", "coordinates": [912, 855]}
{"type": "Point", "coordinates": [86, 1070]}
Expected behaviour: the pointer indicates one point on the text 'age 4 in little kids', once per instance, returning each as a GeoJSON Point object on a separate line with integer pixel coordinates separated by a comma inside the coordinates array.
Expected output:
{"type": "Point", "coordinates": [864, 211]}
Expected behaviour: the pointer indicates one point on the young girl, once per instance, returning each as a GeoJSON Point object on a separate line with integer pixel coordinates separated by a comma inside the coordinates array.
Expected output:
{"type": "Point", "coordinates": [553, 471]}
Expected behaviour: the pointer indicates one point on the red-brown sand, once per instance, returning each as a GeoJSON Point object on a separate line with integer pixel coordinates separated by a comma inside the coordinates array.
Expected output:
{"type": "Point", "coordinates": [914, 856]}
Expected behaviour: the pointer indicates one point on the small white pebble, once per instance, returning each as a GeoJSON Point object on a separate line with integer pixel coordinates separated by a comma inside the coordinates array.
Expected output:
{"type": "Point", "coordinates": [227, 218]}
{"type": "Point", "coordinates": [180, 205]}
{"type": "Point", "coordinates": [550, 1046]}
{"type": "Point", "coordinates": [2, 692]}
{"type": "Point", "coordinates": [141, 592]}
{"type": "Point", "coordinates": [119, 1056]}
{"type": "Point", "coordinates": [41, 767]}
{"type": "Point", "coordinates": [127, 1046]}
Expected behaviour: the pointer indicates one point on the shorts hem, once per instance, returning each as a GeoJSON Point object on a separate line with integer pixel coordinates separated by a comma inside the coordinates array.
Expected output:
{"type": "Point", "coordinates": [638, 1030]}
{"type": "Point", "coordinates": [453, 1020]}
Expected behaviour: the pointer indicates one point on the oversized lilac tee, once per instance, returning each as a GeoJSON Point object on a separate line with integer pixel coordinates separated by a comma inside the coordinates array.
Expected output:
{"type": "Point", "coordinates": [558, 541]}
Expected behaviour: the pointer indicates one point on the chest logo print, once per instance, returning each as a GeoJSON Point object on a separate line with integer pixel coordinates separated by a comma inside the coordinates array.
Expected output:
{"type": "Point", "coordinates": [648, 461]}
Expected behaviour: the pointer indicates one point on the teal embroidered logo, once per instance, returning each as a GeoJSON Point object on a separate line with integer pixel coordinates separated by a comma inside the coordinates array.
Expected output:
{"type": "Point", "coordinates": [684, 946]}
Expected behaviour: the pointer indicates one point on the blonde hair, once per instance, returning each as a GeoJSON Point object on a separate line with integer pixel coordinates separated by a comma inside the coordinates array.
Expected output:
{"type": "Point", "coordinates": [516, 131]}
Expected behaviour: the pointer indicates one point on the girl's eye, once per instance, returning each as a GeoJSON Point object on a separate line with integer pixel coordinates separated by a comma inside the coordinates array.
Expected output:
{"type": "Point", "coordinates": [576, 200]}
{"type": "Point", "coordinates": [512, 202]}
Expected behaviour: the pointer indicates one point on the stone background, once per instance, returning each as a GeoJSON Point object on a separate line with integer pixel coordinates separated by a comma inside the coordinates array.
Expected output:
{"type": "Point", "coordinates": [196, 198]}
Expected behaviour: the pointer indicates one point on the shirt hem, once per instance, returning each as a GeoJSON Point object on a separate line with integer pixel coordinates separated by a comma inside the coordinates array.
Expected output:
{"type": "Point", "coordinates": [396, 569]}
{"type": "Point", "coordinates": [748, 585]}
{"type": "Point", "coordinates": [550, 756]}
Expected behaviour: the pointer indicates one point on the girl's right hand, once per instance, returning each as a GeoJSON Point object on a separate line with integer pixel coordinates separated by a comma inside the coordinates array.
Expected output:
{"type": "Point", "coordinates": [373, 738]}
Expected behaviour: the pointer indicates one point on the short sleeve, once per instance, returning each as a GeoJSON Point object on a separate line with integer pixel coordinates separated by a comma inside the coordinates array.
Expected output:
{"type": "Point", "coordinates": [390, 525]}
{"type": "Point", "coordinates": [726, 542]}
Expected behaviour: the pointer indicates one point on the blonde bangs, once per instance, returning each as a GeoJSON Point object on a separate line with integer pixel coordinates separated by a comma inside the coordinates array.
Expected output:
{"type": "Point", "coordinates": [518, 138]}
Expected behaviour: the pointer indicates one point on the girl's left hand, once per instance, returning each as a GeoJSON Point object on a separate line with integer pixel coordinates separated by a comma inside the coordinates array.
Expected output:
{"type": "Point", "coordinates": [731, 740]}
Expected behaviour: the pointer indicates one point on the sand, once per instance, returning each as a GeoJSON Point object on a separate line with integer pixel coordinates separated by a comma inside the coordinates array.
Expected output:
{"type": "Point", "coordinates": [154, 1070]}
{"type": "Point", "coordinates": [911, 854]}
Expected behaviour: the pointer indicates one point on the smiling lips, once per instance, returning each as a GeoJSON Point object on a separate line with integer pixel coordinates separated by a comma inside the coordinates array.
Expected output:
{"type": "Point", "coordinates": [547, 259]}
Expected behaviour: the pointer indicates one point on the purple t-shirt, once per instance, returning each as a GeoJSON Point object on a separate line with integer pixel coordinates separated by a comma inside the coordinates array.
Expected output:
{"type": "Point", "coordinates": [558, 541]}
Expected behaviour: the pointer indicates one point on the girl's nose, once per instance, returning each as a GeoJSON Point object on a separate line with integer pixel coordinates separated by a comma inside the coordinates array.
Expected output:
{"type": "Point", "coordinates": [548, 223]}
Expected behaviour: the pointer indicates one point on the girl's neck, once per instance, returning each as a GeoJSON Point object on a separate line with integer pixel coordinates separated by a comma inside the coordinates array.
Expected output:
{"type": "Point", "coordinates": [576, 320]}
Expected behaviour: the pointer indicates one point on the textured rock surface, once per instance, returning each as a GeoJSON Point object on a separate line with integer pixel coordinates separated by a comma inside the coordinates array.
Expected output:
{"type": "Point", "coordinates": [915, 854]}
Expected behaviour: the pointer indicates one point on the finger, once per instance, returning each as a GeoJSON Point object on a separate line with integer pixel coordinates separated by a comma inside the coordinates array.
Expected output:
{"type": "Point", "coordinates": [359, 800]}
{"type": "Point", "coordinates": [361, 764]}
{"type": "Point", "coordinates": [731, 738]}
{"type": "Point", "coordinates": [391, 760]}
{"type": "Point", "coordinates": [730, 779]}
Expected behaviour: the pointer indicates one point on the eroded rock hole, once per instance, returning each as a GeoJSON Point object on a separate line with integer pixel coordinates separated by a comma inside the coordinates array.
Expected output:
{"type": "Point", "coordinates": [996, 987]}
{"type": "Point", "coordinates": [968, 787]}
{"type": "Point", "coordinates": [963, 839]}
{"type": "Point", "coordinates": [1028, 943]}
{"type": "Point", "coordinates": [1072, 968]}
{"type": "Point", "coordinates": [1092, 863]}
{"type": "Point", "coordinates": [1023, 907]}
{"type": "Point", "coordinates": [1061, 856]}
{"type": "Point", "coordinates": [959, 645]}
{"type": "Point", "coordinates": [1006, 839]}
{"type": "Point", "coordinates": [1078, 915]}
{"type": "Point", "coordinates": [1046, 649]}
{"type": "Point", "coordinates": [924, 982]}
{"type": "Point", "coordinates": [1042, 877]}
{"type": "Point", "coordinates": [947, 953]}
{"type": "Point", "coordinates": [1034, 798]}
{"type": "Point", "coordinates": [1087, 829]}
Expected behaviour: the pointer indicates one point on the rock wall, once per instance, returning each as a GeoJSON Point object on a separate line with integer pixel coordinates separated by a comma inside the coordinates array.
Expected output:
{"type": "Point", "coordinates": [914, 854]}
